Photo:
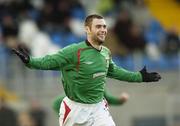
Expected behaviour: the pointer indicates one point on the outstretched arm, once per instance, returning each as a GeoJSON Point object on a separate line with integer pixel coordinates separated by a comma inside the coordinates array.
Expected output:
{"type": "Point", "coordinates": [125, 75]}
{"type": "Point", "coordinates": [112, 100]}
{"type": "Point", "coordinates": [48, 62]}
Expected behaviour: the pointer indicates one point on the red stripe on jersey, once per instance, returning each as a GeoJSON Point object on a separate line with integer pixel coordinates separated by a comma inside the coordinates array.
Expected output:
{"type": "Point", "coordinates": [67, 111]}
{"type": "Point", "coordinates": [79, 56]}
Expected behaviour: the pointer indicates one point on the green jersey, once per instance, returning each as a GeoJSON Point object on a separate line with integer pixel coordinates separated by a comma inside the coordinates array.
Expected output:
{"type": "Point", "coordinates": [84, 71]}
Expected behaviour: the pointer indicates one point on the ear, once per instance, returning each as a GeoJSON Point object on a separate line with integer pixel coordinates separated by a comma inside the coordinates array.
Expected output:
{"type": "Point", "coordinates": [87, 29]}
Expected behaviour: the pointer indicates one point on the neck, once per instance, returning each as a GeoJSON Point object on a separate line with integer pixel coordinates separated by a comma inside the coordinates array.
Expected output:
{"type": "Point", "coordinates": [95, 44]}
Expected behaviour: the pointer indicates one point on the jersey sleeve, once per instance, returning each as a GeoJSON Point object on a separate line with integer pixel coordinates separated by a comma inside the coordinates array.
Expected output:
{"type": "Point", "coordinates": [57, 102]}
{"type": "Point", "coordinates": [121, 74]}
{"type": "Point", "coordinates": [112, 100]}
{"type": "Point", "coordinates": [54, 61]}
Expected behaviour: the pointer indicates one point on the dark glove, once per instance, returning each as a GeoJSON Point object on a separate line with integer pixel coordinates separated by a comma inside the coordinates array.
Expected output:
{"type": "Point", "coordinates": [149, 77]}
{"type": "Point", "coordinates": [22, 53]}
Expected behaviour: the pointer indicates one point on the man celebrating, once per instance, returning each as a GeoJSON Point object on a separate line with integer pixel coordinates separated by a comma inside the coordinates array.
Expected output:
{"type": "Point", "coordinates": [84, 68]}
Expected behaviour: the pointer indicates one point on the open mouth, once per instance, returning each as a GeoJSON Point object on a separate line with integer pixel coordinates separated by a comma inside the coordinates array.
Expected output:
{"type": "Point", "coordinates": [102, 36]}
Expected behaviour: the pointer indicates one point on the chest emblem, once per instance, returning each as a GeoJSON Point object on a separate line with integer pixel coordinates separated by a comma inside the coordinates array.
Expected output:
{"type": "Point", "coordinates": [88, 62]}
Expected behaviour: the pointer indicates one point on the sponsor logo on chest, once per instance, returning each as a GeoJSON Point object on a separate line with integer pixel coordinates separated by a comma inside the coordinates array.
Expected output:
{"type": "Point", "coordinates": [99, 74]}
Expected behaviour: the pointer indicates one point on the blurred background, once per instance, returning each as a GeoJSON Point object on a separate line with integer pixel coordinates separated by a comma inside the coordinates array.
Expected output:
{"type": "Point", "coordinates": [141, 32]}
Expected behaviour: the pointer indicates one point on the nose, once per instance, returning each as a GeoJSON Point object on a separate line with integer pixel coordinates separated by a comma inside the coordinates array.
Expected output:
{"type": "Point", "coordinates": [103, 30]}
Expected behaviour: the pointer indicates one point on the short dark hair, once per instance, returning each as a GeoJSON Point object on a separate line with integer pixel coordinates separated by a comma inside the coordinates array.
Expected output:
{"type": "Point", "coordinates": [89, 19]}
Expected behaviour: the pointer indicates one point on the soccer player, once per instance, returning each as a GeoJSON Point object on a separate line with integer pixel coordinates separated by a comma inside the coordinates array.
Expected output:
{"type": "Point", "coordinates": [84, 68]}
{"type": "Point", "coordinates": [111, 100]}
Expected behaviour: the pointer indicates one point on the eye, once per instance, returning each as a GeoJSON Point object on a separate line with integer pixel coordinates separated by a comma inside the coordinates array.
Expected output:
{"type": "Point", "coordinates": [98, 26]}
{"type": "Point", "coordinates": [101, 26]}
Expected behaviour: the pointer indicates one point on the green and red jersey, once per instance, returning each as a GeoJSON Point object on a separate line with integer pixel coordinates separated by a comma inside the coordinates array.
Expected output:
{"type": "Point", "coordinates": [84, 70]}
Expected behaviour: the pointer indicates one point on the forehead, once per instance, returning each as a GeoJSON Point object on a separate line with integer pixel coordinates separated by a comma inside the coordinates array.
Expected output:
{"type": "Point", "coordinates": [98, 22]}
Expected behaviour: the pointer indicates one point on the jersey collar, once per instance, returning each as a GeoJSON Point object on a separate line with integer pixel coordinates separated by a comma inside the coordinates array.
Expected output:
{"type": "Point", "coordinates": [89, 44]}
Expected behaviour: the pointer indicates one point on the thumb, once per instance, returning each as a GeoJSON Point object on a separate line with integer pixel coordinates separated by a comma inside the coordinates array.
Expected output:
{"type": "Point", "coordinates": [143, 70]}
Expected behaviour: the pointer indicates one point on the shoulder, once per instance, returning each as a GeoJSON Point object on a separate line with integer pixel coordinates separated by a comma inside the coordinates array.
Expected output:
{"type": "Point", "coordinates": [106, 49]}
{"type": "Point", "coordinates": [70, 46]}
{"type": "Point", "coordinates": [73, 48]}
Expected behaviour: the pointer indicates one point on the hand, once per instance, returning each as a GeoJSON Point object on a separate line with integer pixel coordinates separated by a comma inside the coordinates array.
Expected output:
{"type": "Point", "coordinates": [149, 77]}
{"type": "Point", "coordinates": [23, 55]}
{"type": "Point", "coordinates": [124, 97]}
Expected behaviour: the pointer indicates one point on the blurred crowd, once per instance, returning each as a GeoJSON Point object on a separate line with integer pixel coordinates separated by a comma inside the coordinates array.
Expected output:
{"type": "Point", "coordinates": [33, 114]}
{"type": "Point", "coordinates": [44, 26]}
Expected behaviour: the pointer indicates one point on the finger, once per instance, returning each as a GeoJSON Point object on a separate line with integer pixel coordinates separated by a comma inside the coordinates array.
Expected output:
{"type": "Point", "coordinates": [157, 75]}
{"type": "Point", "coordinates": [21, 48]}
{"type": "Point", "coordinates": [15, 51]}
{"type": "Point", "coordinates": [23, 52]}
{"type": "Point", "coordinates": [154, 73]}
{"type": "Point", "coordinates": [145, 68]}
{"type": "Point", "coordinates": [18, 53]}
{"type": "Point", "coordinates": [157, 78]}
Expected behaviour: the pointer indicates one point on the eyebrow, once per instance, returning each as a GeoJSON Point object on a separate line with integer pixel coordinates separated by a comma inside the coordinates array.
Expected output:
{"type": "Point", "coordinates": [101, 25]}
